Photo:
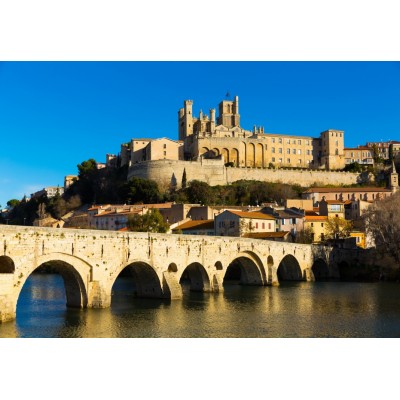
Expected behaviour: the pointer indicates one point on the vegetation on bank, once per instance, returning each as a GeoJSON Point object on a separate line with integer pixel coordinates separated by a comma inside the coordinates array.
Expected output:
{"type": "Point", "coordinates": [109, 186]}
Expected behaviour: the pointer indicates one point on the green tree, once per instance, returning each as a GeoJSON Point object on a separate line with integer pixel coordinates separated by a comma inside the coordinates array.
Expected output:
{"type": "Point", "coordinates": [200, 193]}
{"type": "Point", "coordinates": [86, 168]}
{"type": "Point", "coordinates": [12, 203]}
{"type": "Point", "coordinates": [184, 180]}
{"type": "Point", "coordinates": [338, 228]}
{"type": "Point", "coordinates": [153, 221]}
{"type": "Point", "coordinates": [353, 167]}
{"type": "Point", "coordinates": [305, 236]}
{"type": "Point", "coordinates": [138, 190]}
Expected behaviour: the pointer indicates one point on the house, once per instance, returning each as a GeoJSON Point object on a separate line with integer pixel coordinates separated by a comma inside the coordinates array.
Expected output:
{"type": "Point", "coordinates": [317, 224]}
{"type": "Point", "coordinates": [287, 219]}
{"type": "Point", "coordinates": [332, 208]}
{"type": "Point", "coordinates": [239, 223]}
{"type": "Point", "coordinates": [355, 193]}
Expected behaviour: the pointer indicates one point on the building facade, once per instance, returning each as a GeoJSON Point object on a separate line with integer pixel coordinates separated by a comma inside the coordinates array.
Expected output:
{"type": "Point", "coordinates": [209, 136]}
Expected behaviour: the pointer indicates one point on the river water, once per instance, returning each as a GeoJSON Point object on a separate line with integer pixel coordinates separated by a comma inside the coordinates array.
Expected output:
{"type": "Point", "coordinates": [292, 310]}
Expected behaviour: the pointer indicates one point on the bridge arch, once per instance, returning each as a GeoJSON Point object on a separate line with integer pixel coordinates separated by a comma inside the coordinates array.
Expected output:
{"type": "Point", "coordinates": [320, 270]}
{"type": "Point", "coordinates": [195, 277]}
{"type": "Point", "coordinates": [7, 265]}
{"type": "Point", "coordinates": [144, 280]}
{"type": "Point", "coordinates": [289, 269]}
{"type": "Point", "coordinates": [246, 269]}
{"type": "Point", "coordinates": [74, 271]}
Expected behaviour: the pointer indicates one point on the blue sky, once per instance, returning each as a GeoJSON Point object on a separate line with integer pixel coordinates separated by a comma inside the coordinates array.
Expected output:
{"type": "Point", "coordinates": [53, 115]}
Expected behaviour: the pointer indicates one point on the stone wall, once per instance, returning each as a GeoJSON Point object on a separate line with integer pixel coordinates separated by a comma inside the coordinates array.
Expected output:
{"type": "Point", "coordinates": [214, 172]}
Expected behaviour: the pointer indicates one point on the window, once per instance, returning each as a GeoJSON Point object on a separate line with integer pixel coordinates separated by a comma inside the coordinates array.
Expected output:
{"type": "Point", "coordinates": [273, 159]}
{"type": "Point", "coordinates": [273, 149]}
{"type": "Point", "coordinates": [273, 140]}
{"type": "Point", "coordinates": [231, 224]}
{"type": "Point", "coordinates": [283, 221]}
{"type": "Point", "coordinates": [165, 146]}
{"type": "Point", "coordinates": [263, 225]}
{"type": "Point", "coordinates": [335, 207]}
{"type": "Point", "coordinates": [165, 153]}
{"type": "Point", "coordinates": [280, 150]}
{"type": "Point", "coordinates": [269, 225]}
{"type": "Point", "coordinates": [293, 221]}
{"type": "Point", "coordinates": [280, 140]}
{"type": "Point", "coordinates": [312, 224]}
{"type": "Point", "coordinates": [299, 141]}
{"type": "Point", "coordinates": [298, 151]}
{"type": "Point", "coordinates": [288, 141]}
{"type": "Point", "coordinates": [288, 151]}
{"type": "Point", "coordinates": [280, 160]}
{"type": "Point", "coordinates": [288, 160]}
{"type": "Point", "coordinates": [294, 151]}
{"type": "Point", "coordinates": [256, 225]}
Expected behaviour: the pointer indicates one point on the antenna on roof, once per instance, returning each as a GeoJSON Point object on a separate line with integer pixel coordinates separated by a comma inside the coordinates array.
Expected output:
{"type": "Point", "coordinates": [227, 94]}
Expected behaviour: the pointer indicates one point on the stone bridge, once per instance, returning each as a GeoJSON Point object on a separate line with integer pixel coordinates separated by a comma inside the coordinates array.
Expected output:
{"type": "Point", "coordinates": [91, 260]}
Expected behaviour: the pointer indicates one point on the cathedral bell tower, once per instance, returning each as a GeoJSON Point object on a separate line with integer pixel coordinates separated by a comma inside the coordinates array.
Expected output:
{"type": "Point", "coordinates": [394, 179]}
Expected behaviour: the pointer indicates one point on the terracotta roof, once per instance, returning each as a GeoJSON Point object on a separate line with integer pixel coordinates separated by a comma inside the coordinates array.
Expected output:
{"type": "Point", "coordinates": [335, 201]}
{"type": "Point", "coordinates": [346, 190]}
{"type": "Point", "coordinates": [113, 213]}
{"type": "Point", "coordinates": [198, 224]}
{"type": "Point", "coordinates": [160, 205]}
{"type": "Point", "coordinates": [97, 207]}
{"type": "Point", "coordinates": [261, 235]}
{"type": "Point", "coordinates": [316, 218]}
{"type": "Point", "coordinates": [252, 215]}
{"type": "Point", "coordinates": [358, 148]}
{"type": "Point", "coordinates": [123, 229]}
{"type": "Point", "coordinates": [310, 213]}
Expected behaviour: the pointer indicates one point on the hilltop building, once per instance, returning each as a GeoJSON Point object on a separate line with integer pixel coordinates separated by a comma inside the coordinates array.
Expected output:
{"type": "Point", "coordinates": [211, 137]}
{"type": "Point", "coordinates": [216, 149]}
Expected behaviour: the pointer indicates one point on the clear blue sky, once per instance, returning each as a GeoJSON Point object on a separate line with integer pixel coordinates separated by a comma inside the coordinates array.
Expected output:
{"type": "Point", "coordinates": [53, 115]}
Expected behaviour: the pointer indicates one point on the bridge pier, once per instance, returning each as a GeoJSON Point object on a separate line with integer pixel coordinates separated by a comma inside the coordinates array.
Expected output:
{"type": "Point", "coordinates": [8, 308]}
{"type": "Point", "coordinates": [273, 276]}
{"type": "Point", "coordinates": [98, 296]}
{"type": "Point", "coordinates": [217, 283]}
{"type": "Point", "coordinates": [171, 286]}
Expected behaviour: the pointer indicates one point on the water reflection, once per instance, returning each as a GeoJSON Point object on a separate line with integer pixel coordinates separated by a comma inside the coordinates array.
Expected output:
{"type": "Point", "coordinates": [294, 309]}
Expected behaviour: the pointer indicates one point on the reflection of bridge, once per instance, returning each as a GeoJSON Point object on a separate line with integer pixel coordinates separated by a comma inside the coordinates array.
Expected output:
{"type": "Point", "coordinates": [91, 260]}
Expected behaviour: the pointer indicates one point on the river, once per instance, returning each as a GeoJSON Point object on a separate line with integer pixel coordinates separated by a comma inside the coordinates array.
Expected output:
{"type": "Point", "coordinates": [292, 310]}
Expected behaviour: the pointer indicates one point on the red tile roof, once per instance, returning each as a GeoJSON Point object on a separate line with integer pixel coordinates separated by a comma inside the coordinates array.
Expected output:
{"type": "Point", "coordinates": [197, 224]}
{"type": "Point", "coordinates": [315, 218]}
{"type": "Point", "coordinates": [252, 215]}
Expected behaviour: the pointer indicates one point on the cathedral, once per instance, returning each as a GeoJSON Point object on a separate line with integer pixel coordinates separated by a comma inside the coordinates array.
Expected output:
{"type": "Point", "coordinates": [209, 136]}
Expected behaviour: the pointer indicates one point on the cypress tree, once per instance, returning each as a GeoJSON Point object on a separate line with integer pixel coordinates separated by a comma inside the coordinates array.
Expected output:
{"type": "Point", "coordinates": [184, 181]}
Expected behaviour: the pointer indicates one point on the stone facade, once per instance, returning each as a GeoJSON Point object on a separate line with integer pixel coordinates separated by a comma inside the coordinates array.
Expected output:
{"type": "Point", "coordinates": [208, 137]}
{"type": "Point", "coordinates": [211, 142]}
{"type": "Point", "coordinates": [154, 149]}
{"type": "Point", "coordinates": [169, 173]}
